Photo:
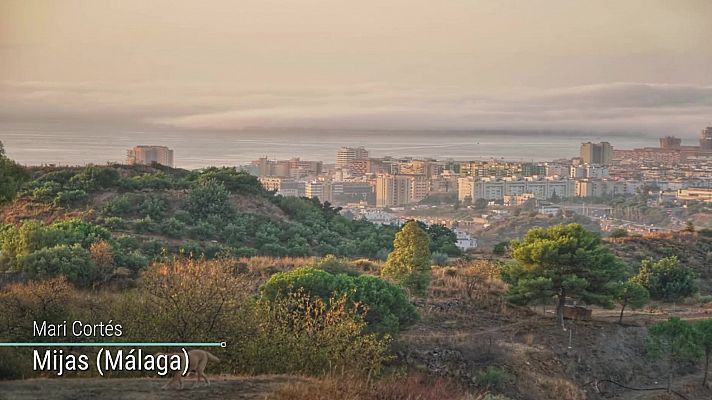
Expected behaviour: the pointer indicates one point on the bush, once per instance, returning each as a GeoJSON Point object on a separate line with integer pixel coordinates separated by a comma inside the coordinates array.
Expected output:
{"type": "Point", "coordinates": [189, 300]}
{"type": "Point", "coordinates": [386, 308]}
{"type": "Point", "coordinates": [73, 262]}
{"type": "Point", "coordinates": [666, 279]}
{"type": "Point", "coordinates": [209, 198]}
{"type": "Point", "coordinates": [440, 259]}
{"type": "Point", "coordinates": [154, 207]}
{"type": "Point", "coordinates": [618, 233]}
{"type": "Point", "coordinates": [334, 266]}
{"type": "Point", "coordinates": [119, 206]}
{"type": "Point", "coordinates": [492, 378]}
{"type": "Point", "coordinates": [23, 303]}
{"type": "Point", "coordinates": [115, 223]}
{"type": "Point", "coordinates": [301, 334]}
{"type": "Point", "coordinates": [173, 227]}
{"type": "Point", "coordinates": [146, 225]}
{"type": "Point", "coordinates": [70, 197]}
{"type": "Point", "coordinates": [500, 248]}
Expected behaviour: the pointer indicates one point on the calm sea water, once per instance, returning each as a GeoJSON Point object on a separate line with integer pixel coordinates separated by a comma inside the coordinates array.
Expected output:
{"type": "Point", "coordinates": [33, 146]}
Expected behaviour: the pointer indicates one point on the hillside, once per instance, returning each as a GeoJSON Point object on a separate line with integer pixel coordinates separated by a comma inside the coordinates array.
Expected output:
{"type": "Point", "coordinates": [516, 227]}
{"type": "Point", "coordinates": [692, 249]}
{"type": "Point", "coordinates": [467, 328]}
{"type": "Point", "coordinates": [146, 214]}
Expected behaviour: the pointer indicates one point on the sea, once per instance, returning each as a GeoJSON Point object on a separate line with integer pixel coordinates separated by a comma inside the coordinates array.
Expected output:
{"type": "Point", "coordinates": [199, 149]}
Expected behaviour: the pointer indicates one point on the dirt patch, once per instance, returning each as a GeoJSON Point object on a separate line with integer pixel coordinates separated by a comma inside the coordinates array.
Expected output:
{"type": "Point", "coordinates": [222, 388]}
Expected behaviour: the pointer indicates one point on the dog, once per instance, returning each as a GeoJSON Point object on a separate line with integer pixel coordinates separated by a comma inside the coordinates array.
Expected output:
{"type": "Point", "coordinates": [197, 361]}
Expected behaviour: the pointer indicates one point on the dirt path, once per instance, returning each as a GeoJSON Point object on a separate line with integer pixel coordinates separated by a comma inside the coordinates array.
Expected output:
{"type": "Point", "coordinates": [222, 388]}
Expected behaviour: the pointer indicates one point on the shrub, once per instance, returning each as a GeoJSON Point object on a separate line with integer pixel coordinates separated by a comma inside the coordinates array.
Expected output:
{"type": "Point", "coordinates": [298, 333]}
{"type": "Point", "coordinates": [386, 308]}
{"type": "Point", "coordinates": [73, 262]}
{"type": "Point", "coordinates": [115, 223]}
{"type": "Point", "coordinates": [191, 248]}
{"type": "Point", "coordinates": [173, 227]}
{"type": "Point", "coordinates": [154, 207]}
{"type": "Point", "coordinates": [119, 206]}
{"type": "Point", "coordinates": [618, 233]}
{"type": "Point", "coordinates": [492, 378]}
{"type": "Point", "coordinates": [188, 300]}
{"type": "Point", "coordinates": [153, 248]}
{"type": "Point", "coordinates": [146, 225]}
{"type": "Point", "coordinates": [203, 231]}
{"type": "Point", "coordinates": [209, 198]}
{"type": "Point", "coordinates": [500, 248]}
{"type": "Point", "coordinates": [23, 303]}
{"type": "Point", "coordinates": [70, 197]}
{"type": "Point", "coordinates": [666, 279]}
{"type": "Point", "coordinates": [133, 260]}
{"type": "Point", "coordinates": [440, 259]}
{"type": "Point", "coordinates": [333, 265]}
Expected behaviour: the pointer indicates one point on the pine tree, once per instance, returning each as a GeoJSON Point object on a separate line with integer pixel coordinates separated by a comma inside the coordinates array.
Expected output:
{"type": "Point", "coordinates": [409, 262]}
{"type": "Point", "coordinates": [565, 260]}
{"type": "Point", "coordinates": [703, 338]}
{"type": "Point", "coordinates": [631, 294]}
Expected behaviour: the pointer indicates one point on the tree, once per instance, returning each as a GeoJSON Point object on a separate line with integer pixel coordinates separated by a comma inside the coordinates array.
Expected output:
{"type": "Point", "coordinates": [575, 262]}
{"type": "Point", "coordinates": [673, 340]}
{"type": "Point", "coordinates": [631, 294]}
{"type": "Point", "coordinates": [12, 176]}
{"type": "Point", "coordinates": [555, 198]}
{"type": "Point", "coordinates": [666, 279]}
{"type": "Point", "coordinates": [703, 338]}
{"type": "Point", "coordinates": [481, 204]}
{"type": "Point", "coordinates": [619, 233]}
{"type": "Point", "coordinates": [409, 262]}
{"type": "Point", "coordinates": [689, 227]}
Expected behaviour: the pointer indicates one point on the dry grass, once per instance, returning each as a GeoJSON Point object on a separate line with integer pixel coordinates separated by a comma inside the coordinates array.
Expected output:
{"type": "Point", "coordinates": [411, 387]}
{"type": "Point", "coordinates": [477, 281]}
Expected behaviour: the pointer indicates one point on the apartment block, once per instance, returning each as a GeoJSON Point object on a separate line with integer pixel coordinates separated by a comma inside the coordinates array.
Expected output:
{"type": "Point", "coordinates": [319, 189]}
{"type": "Point", "coordinates": [606, 187]}
{"type": "Point", "coordinates": [345, 155]}
{"type": "Point", "coordinates": [496, 189]}
{"type": "Point", "coordinates": [596, 153]}
{"type": "Point", "coordinates": [147, 155]}
{"type": "Point", "coordinates": [393, 190]}
{"type": "Point", "coordinates": [695, 194]}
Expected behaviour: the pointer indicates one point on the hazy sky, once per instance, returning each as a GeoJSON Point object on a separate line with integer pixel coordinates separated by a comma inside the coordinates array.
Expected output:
{"type": "Point", "coordinates": [635, 65]}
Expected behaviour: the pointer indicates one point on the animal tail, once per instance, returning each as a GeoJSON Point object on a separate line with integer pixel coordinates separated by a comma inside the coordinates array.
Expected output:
{"type": "Point", "coordinates": [212, 357]}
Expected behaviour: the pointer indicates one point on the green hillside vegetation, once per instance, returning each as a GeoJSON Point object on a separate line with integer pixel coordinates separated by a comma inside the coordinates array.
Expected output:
{"type": "Point", "coordinates": [147, 214]}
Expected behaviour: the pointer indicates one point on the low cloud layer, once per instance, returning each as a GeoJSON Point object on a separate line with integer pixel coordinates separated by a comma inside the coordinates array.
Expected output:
{"type": "Point", "coordinates": [627, 107]}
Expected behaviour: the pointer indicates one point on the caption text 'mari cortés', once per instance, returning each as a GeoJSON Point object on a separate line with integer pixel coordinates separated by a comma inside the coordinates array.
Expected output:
{"type": "Point", "coordinates": [60, 361]}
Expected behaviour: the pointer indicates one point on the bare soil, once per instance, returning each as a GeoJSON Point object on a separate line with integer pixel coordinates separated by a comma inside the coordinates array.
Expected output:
{"type": "Point", "coordinates": [222, 388]}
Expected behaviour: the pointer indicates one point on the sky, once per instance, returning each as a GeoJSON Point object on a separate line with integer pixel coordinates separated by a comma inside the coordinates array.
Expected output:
{"type": "Point", "coordinates": [600, 65]}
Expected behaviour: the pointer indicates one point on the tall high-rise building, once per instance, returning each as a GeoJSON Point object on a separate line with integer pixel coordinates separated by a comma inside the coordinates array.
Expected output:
{"type": "Point", "coordinates": [393, 190]}
{"type": "Point", "coordinates": [347, 154]}
{"type": "Point", "coordinates": [596, 153]}
{"type": "Point", "coordinates": [147, 155]}
{"type": "Point", "coordinates": [670, 142]}
{"type": "Point", "coordinates": [706, 139]}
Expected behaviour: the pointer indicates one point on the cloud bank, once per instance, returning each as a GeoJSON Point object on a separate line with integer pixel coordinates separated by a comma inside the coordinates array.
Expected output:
{"type": "Point", "coordinates": [628, 107]}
